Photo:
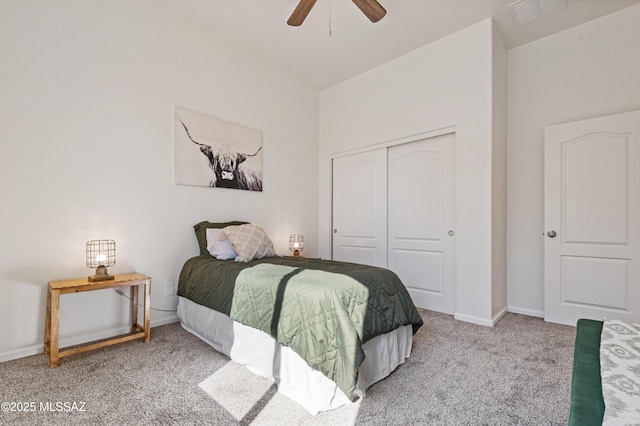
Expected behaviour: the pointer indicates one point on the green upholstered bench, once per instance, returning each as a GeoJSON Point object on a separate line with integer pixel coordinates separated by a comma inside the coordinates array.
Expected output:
{"type": "Point", "coordinates": [587, 404]}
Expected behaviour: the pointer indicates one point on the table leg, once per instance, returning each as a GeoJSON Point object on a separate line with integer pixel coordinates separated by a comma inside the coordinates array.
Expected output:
{"type": "Point", "coordinates": [147, 306]}
{"type": "Point", "coordinates": [134, 308]}
{"type": "Point", "coordinates": [47, 322]}
{"type": "Point", "coordinates": [54, 322]}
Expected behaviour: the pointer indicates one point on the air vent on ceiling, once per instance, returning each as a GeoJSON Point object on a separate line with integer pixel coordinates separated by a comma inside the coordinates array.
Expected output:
{"type": "Point", "coordinates": [525, 11]}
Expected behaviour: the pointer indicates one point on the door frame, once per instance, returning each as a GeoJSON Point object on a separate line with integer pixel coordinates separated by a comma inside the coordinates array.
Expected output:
{"type": "Point", "coordinates": [451, 130]}
{"type": "Point", "coordinates": [386, 144]}
{"type": "Point", "coordinates": [554, 271]}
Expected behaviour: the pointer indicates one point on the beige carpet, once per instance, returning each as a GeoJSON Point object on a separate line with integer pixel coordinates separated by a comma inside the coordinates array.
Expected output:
{"type": "Point", "coordinates": [516, 373]}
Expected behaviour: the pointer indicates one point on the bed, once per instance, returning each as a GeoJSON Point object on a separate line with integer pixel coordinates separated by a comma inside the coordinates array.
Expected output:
{"type": "Point", "coordinates": [323, 331]}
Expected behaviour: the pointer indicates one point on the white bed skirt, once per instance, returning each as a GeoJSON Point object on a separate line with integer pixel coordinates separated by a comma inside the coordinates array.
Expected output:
{"type": "Point", "coordinates": [262, 355]}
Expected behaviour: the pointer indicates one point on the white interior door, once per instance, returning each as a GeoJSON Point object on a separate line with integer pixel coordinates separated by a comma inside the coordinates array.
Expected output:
{"type": "Point", "coordinates": [360, 208]}
{"type": "Point", "coordinates": [422, 220]}
{"type": "Point", "coordinates": [592, 219]}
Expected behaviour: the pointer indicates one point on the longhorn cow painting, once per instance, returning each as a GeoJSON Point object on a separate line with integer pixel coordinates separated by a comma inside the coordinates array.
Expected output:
{"type": "Point", "coordinates": [216, 153]}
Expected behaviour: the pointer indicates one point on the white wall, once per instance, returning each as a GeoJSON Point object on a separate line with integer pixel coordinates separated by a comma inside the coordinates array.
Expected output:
{"type": "Point", "coordinates": [446, 83]}
{"type": "Point", "coordinates": [88, 89]}
{"type": "Point", "coordinates": [86, 147]}
{"type": "Point", "coordinates": [587, 71]}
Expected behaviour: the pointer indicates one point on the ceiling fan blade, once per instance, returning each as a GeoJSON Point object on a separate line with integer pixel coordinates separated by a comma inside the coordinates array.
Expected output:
{"type": "Point", "coordinates": [300, 13]}
{"type": "Point", "coordinates": [372, 9]}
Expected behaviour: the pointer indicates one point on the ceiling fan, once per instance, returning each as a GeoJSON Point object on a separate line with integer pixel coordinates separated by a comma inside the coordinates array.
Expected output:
{"type": "Point", "coordinates": [371, 8]}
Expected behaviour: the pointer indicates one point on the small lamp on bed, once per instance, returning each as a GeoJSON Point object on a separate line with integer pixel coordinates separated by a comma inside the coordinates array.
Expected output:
{"type": "Point", "coordinates": [100, 255]}
{"type": "Point", "coordinates": [296, 244]}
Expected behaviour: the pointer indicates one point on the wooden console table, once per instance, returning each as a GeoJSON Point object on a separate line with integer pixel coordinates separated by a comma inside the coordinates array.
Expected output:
{"type": "Point", "coordinates": [56, 288]}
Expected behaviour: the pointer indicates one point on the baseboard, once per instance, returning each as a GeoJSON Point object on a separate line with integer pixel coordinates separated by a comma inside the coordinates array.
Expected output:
{"type": "Point", "coordinates": [63, 343]}
{"type": "Point", "coordinates": [22, 352]}
{"type": "Point", "coordinates": [77, 340]}
{"type": "Point", "coordinates": [164, 321]}
{"type": "Point", "coordinates": [482, 321]}
{"type": "Point", "coordinates": [473, 320]}
{"type": "Point", "coordinates": [528, 312]}
{"type": "Point", "coordinates": [497, 317]}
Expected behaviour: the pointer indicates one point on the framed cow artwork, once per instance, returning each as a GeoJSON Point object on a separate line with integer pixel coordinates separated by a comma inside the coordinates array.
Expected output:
{"type": "Point", "coordinates": [216, 153]}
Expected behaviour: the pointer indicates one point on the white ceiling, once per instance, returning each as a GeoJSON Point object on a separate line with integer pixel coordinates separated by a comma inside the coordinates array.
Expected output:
{"type": "Point", "coordinates": [337, 42]}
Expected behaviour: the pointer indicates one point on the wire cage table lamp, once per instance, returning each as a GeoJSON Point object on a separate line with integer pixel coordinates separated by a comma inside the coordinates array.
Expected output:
{"type": "Point", "coordinates": [296, 244]}
{"type": "Point", "coordinates": [100, 255]}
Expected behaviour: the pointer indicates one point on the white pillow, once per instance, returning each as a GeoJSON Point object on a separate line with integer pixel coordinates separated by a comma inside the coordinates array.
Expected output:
{"type": "Point", "coordinates": [250, 241]}
{"type": "Point", "coordinates": [220, 249]}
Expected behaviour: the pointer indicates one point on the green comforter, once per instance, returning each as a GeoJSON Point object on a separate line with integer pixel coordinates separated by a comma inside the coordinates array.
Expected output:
{"type": "Point", "coordinates": [323, 310]}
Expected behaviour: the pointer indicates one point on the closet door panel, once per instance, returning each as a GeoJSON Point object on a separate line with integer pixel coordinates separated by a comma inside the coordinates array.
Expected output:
{"type": "Point", "coordinates": [416, 194]}
{"type": "Point", "coordinates": [421, 202]}
{"type": "Point", "coordinates": [360, 208]}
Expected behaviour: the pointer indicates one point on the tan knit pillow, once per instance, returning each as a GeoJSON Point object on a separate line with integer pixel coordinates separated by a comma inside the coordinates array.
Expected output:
{"type": "Point", "coordinates": [250, 241]}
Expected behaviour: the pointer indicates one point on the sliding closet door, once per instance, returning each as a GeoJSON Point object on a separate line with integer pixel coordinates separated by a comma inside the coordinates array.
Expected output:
{"type": "Point", "coordinates": [421, 230]}
{"type": "Point", "coordinates": [360, 208]}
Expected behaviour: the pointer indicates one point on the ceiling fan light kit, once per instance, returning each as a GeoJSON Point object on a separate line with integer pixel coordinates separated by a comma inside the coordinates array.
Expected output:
{"type": "Point", "coordinates": [371, 8]}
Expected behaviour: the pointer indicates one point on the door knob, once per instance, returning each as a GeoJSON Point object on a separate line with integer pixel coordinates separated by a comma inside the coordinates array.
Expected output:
{"type": "Point", "coordinates": [551, 234]}
{"type": "Point", "coordinates": [451, 232]}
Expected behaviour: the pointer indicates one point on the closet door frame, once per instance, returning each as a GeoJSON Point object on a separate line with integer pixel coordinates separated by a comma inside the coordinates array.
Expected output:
{"type": "Point", "coordinates": [384, 239]}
